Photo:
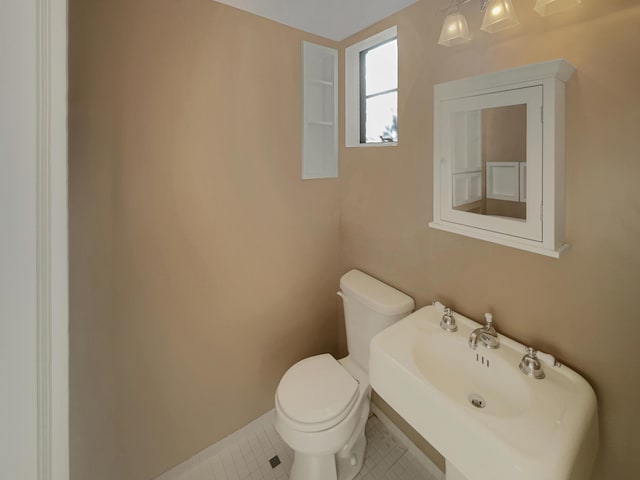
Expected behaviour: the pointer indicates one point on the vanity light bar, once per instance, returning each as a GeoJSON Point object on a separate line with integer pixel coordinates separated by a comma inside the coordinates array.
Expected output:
{"type": "Point", "coordinates": [498, 15]}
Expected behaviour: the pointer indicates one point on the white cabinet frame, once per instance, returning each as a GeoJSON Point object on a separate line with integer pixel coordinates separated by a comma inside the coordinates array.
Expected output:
{"type": "Point", "coordinates": [531, 227]}
{"type": "Point", "coordinates": [542, 88]}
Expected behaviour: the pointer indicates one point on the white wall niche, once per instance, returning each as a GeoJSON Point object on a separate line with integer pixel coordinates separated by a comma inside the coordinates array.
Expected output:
{"type": "Point", "coordinates": [319, 111]}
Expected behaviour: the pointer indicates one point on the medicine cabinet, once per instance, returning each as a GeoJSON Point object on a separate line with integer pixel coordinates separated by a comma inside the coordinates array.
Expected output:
{"type": "Point", "coordinates": [499, 157]}
{"type": "Point", "coordinates": [319, 111]}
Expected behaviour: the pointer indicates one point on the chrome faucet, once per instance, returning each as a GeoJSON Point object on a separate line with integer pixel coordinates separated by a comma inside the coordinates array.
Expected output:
{"type": "Point", "coordinates": [486, 335]}
{"type": "Point", "coordinates": [530, 365]}
{"type": "Point", "coordinates": [448, 322]}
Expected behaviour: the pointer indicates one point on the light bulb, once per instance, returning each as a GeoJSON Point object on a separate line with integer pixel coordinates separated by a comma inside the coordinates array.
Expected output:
{"type": "Point", "coordinates": [499, 15]}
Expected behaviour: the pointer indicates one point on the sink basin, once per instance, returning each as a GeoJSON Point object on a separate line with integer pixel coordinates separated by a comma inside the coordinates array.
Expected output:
{"type": "Point", "coordinates": [504, 390]}
{"type": "Point", "coordinates": [488, 419]}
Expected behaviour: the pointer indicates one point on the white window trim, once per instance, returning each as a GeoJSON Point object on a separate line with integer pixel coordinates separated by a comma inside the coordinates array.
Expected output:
{"type": "Point", "coordinates": [352, 86]}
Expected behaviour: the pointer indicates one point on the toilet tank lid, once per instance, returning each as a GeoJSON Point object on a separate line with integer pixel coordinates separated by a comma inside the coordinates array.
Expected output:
{"type": "Point", "coordinates": [375, 294]}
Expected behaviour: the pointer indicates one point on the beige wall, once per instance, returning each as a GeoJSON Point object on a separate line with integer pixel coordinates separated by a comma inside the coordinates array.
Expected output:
{"type": "Point", "coordinates": [94, 450]}
{"type": "Point", "coordinates": [202, 266]}
{"type": "Point", "coordinates": [584, 308]}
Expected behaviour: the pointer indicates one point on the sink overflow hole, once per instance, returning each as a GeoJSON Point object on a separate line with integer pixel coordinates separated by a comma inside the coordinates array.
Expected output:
{"type": "Point", "coordinates": [477, 401]}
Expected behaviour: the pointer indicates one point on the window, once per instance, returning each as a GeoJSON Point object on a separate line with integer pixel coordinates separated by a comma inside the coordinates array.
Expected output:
{"type": "Point", "coordinates": [379, 93]}
{"type": "Point", "coordinates": [372, 90]}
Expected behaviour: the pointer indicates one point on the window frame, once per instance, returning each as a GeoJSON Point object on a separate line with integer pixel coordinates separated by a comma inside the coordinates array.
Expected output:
{"type": "Point", "coordinates": [354, 88]}
{"type": "Point", "coordinates": [363, 90]}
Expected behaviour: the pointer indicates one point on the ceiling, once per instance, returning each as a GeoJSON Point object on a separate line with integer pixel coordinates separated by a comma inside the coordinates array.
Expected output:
{"type": "Point", "coordinates": [332, 19]}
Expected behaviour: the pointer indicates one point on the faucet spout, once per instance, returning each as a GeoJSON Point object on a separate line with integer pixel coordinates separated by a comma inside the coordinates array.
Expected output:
{"type": "Point", "coordinates": [473, 338]}
{"type": "Point", "coordinates": [486, 336]}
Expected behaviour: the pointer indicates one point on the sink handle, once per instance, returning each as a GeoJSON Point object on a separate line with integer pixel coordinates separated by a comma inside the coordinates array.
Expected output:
{"type": "Point", "coordinates": [448, 322]}
{"type": "Point", "coordinates": [530, 365]}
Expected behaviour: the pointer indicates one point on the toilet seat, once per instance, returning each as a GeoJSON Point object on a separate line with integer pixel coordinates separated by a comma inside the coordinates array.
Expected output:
{"type": "Point", "coordinates": [316, 393]}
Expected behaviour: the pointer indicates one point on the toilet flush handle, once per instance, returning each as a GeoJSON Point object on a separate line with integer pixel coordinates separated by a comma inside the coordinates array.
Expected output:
{"type": "Point", "coordinates": [340, 294]}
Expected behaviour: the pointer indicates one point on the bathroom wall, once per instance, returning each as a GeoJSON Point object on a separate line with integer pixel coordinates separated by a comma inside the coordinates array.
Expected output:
{"type": "Point", "coordinates": [93, 439]}
{"type": "Point", "coordinates": [584, 307]}
{"type": "Point", "coordinates": [202, 266]}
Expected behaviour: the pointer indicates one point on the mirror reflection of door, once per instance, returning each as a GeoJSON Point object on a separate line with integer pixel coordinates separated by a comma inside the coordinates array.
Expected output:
{"type": "Point", "coordinates": [489, 151]}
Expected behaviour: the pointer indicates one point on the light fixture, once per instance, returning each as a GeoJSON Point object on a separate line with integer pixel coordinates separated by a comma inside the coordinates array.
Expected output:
{"type": "Point", "coordinates": [454, 30]}
{"type": "Point", "coordinates": [549, 7]}
{"type": "Point", "coordinates": [498, 15]}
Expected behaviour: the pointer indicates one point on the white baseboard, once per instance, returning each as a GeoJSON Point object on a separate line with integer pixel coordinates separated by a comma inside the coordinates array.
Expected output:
{"type": "Point", "coordinates": [411, 447]}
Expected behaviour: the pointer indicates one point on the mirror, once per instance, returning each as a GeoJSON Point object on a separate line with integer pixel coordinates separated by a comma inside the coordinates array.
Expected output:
{"type": "Point", "coordinates": [485, 140]}
{"type": "Point", "coordinates": [490, 161]}
{"type": "Point", "coordinates": [499, 157]}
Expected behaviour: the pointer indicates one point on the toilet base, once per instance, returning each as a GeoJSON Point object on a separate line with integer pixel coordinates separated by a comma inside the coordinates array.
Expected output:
{"type": "Point", "coordinates": [350, 464]}
{"type": "Point", "coordinates": [341, 466]}
{"type": "Point", "coordinates": [313, 467]}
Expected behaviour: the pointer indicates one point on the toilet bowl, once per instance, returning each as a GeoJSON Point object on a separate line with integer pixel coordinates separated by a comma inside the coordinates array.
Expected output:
{"type": "Point", "coordinates": [322, 404]}
{"type": "Point", "coordinates": [318, 435]}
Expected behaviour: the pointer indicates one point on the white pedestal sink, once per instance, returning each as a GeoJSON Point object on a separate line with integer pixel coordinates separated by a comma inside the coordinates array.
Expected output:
{"type": "Point", "coordinates": [488, 419]}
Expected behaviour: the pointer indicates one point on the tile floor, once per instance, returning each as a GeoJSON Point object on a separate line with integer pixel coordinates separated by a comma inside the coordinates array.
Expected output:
{"type": "Point", "coordinates": [246, 457]}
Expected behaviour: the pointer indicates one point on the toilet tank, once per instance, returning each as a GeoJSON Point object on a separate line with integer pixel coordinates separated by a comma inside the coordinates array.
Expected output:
{"type": "Point", "coordinates": [370, 306]}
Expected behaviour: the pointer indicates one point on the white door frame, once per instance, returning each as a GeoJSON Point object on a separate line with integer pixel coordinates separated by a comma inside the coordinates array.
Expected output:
{"type": "Point", "coordinates": [52, 241]}
{"type": "Point", "coordinates": [53, 258]}
{"type": "Point", "coordinates": [34, 279]}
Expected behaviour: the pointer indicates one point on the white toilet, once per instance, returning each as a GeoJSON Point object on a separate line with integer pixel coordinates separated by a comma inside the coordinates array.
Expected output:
{"type": "Point", "coordinates": [322, 404]}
